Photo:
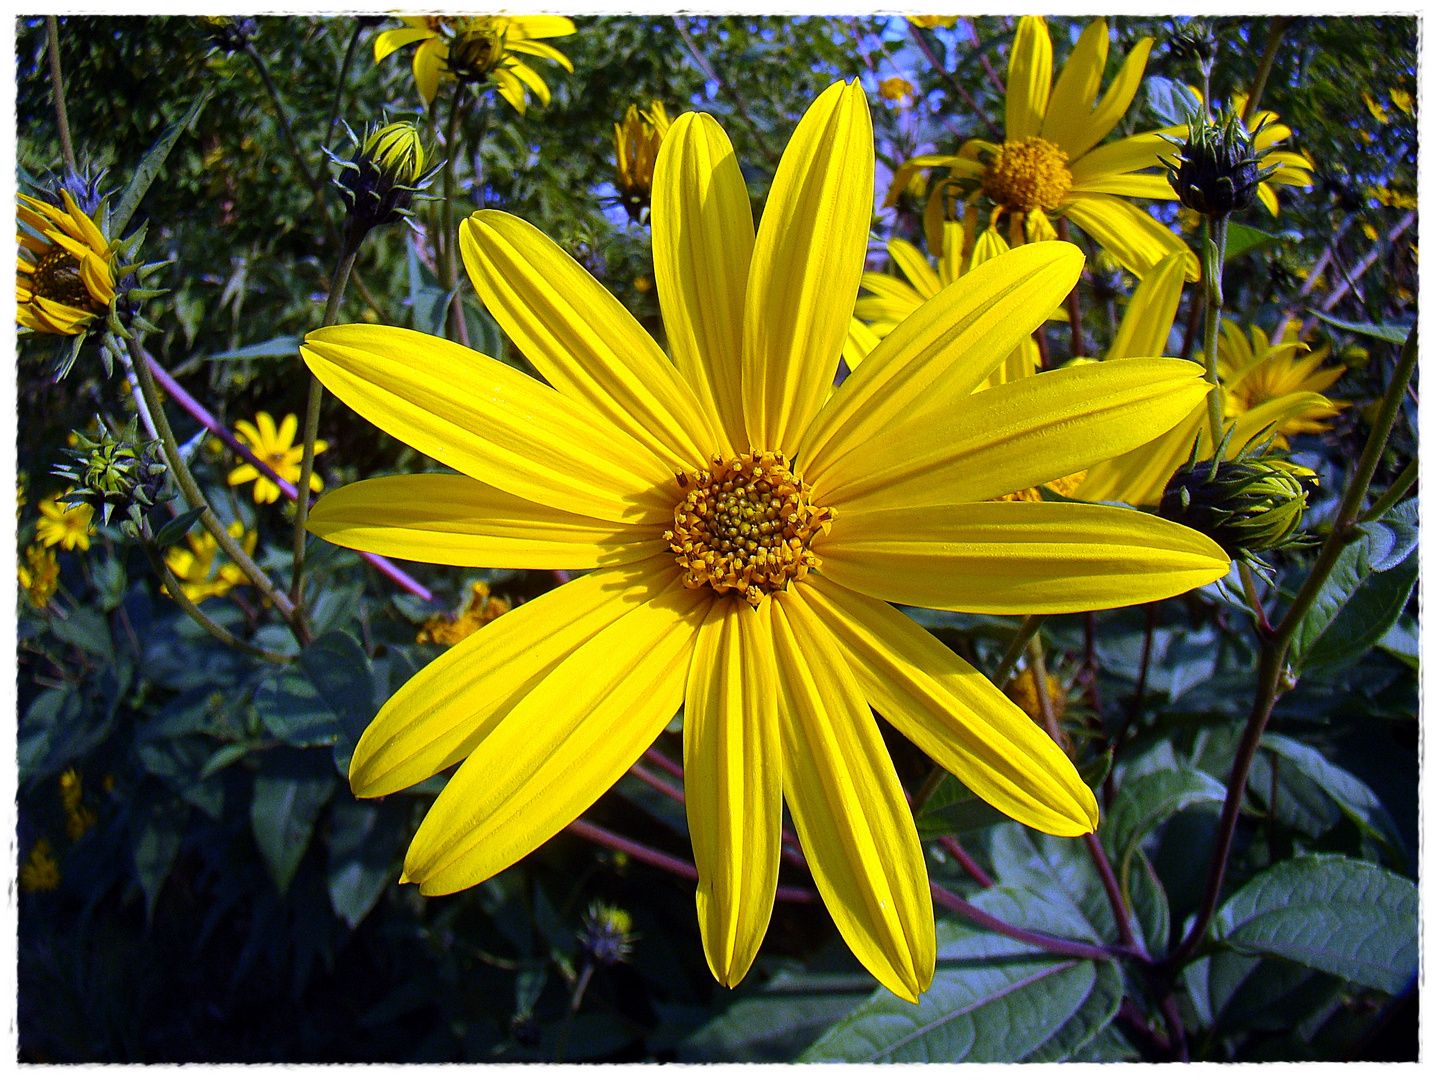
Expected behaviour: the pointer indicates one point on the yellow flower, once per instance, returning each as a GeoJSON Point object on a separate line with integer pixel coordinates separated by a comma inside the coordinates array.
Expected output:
{"type": "Point", "coordinates": [897, 89]}
{"type": "Point", "coordinates": [40, 872]}
{"type": "Point", "coordinates": [194, 567]}
{"type": "Point", "coordinates": [1263, 390]}
{"type": "Point", "coordinates": [480, 49]}
{"type": "Point", "coordinates": [79, 818]}
{"type": "Point", "coordinates": [748, 532]}
{"type": "Point", "coordinates": [1375, 109]}
{"type": "Point", "coordinates": [930, 21]}
{"type": "Point", "coordinates": [636, 142]}
{"type": "Point", "coordinates": [67, 526]}
{"type": "Point", "coordinates": [1022, 689]}
{"type": "Point", "coordinates": [1401, 200]}
{"type": "Point", "coordinates": [481, 610]}
{"type": "Point", "coordinates": [1050, 164]}
{"type": "Point", "coordinates": [40, 576]}
{"type": "Point", "coordinates": [1401, 99]}
{"type": "Point", "coordinates": [64, 274]}
{"type": "Point", "coordinates": [275, 447]}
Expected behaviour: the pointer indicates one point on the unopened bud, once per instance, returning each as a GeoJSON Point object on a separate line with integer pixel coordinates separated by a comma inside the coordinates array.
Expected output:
{"type": "Point", "coordinates": [607, 934]}
{"type": "Point", "coordinates": [1247, 506]}
{"type": "Point", "coordinates": [1217, 170]}
{"type": "Point", "coordinates": [477, 49]}
{"type": "Point", "coordinates": [116, 473]}
{"type": "Point", "coordinates": [380, 183]}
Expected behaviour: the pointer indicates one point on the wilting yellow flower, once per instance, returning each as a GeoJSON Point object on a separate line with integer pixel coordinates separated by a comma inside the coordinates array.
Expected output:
{"type": "Point", "coordinates": [1262, 390]}
{"type": "Point", "coordinates": [194, 568]}
{"type": "Point", "coordinates": [39, 575]}
{"type": "Point", "coordinates": [40, 872]}
{"type": "Point", "coordinates": [1050, 164]}
{"type": "Point", "coordinates": [67, 526]}
{"type": "Point", "coordinates": [479, 49]}
{"type": "Point", "coordinates": [275, 447]}
{"type": "Point", "coordinates": [896, 89]}
{"type": "Point", "coordinates": [636, 142]}
{"type": "Point", "coordinates": [481, 610]}
{"type": "Point", "coordinates": [705, 491]}
{"type": "Point", "coordinates": [64, 274]}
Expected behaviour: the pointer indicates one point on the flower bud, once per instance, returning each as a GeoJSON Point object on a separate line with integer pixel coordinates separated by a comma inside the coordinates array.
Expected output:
{"type": "Point", "coordinates": [1217, 170]}
{"type": "Point", "coordinates": [607, 934]}
{"type": "Point", "coordinates": [1247, 506]}
{"type": "Point", "coordinates": [116, 473]}
{"type": "Point", "coordinates": [636, 142]}
{"type": "Point", "coordinates": [477, 49]}
{"type": "Point", "coordinates": [1194, 41]}
{"type": "Point", "coordinates": [380, 183]}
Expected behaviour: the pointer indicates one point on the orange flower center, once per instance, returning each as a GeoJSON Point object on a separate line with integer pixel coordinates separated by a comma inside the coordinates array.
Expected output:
{"type": "Point", "coordinates": [1028, 174]}
{"type": "Point", "coordinates": [57, 277]}
{"type": "Point", "coordinates": [745, 524]}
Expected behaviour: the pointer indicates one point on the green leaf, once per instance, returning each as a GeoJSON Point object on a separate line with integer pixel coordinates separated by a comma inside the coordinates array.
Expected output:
{"type": "Point", "coordinates": [1108, 1045]}
{"type": "Point", "coordinates": [1145, 802]}
{"type": "Point", "coordinates": [290, 790]}
{"type": "Point", "coordinates": [293, 711]}
{"type": "Point", "coordinates": [778, 1022]}
{"type": "Point", "coordinates": [1395, 333]}
{"type": "Point", "coordinates": [1148, 901]}
{"type": "Point", "coordinates": [339, 670]}
{"type": "Point", "coordinates": [156, 843]}
{"type": "Point", "coordinates": [85, 629]}
{"type": "Point", "coordinates": [1170, 101]}
{"type": "Point", "coordinates": [365, 845]}
{"type": "Point", "coordinates": [991, 999]}
{"type": "Point", "coordinates": [1350, 796]}
{"type": "Point", "coordinates": [173, 531]}
{"type": "Point", "coordinates": [952, 809]}
{"type": "Point", "coordinates": [1242, 239]}
{"type": "Point", "coordinates": [276, 348]}
{"type": "Point", "coordinates": [1056, 868]}
{"type": "Point", "coordinates": [1403, 641]}
{"type": "Point", "coordinates": [151, 165]}
{"type": "Point", "coordinates": [1347, 918]}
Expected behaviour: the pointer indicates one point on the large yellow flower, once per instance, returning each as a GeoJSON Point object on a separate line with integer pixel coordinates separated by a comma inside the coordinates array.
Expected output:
{"type": "Point", "coordinates": [1050, 163]}
{"type": "Point", "coordinates": [64, 274]}
{"type": "Point", "coordinates": [479, 48]}
{"type": "Point", "coordinates": [275, 447]}
{"type": "Point", "coordinates": [1264, 391]}
{"type": "Point", "coordinates": [747, 532]}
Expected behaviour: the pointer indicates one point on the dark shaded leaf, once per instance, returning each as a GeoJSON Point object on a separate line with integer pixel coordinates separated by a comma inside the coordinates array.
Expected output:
{"type": "Point", "coordinates": [290, 790]}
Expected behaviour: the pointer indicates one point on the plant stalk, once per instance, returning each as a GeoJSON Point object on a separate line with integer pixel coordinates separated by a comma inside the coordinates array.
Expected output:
{"type": "Point", "coordinates": [1214, 252]}
{"type": "Point", "coordinates": [57, 84]}
{"type": "Point", "coordinates": [1030, 625]}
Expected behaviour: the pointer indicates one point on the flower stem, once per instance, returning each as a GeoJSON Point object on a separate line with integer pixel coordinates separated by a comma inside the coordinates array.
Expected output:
{"type": "Point", "coordinates": [448, 241]}
{"type": "Point", "coordinates": [1030, 625]}
{"type": "Point", "coordinates": [1273, 39]}
{"type": "Point", "coordinates": [1272, 677]}
{"type": "Point", "coordinates": [966, 861]}
{"type": "Point", "coordinates": [1060, 946]}
{"type": "Point", "coordinates": [311, 428]}
{"type": "Point", "coordinates": [282, 117]}
{"type": "Point", "coordinates": [1398, 488]}
{"type": "Point", "coordinates": [1214, 253]}
{"type": "Point", "coordinates": [338, 105]}
{"type": "Point", "coordinates": [57, 84]}
{"type": "Point", "coordinates": [1249, 587]}
{"type": "Point", "coordinates": [195, 498]}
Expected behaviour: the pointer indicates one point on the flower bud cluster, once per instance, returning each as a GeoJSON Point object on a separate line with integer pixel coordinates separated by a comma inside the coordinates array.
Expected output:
{"type": "Point", "coordinates": [117, 474]}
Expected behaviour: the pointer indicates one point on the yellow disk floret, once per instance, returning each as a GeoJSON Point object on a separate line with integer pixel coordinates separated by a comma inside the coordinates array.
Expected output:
{"type": "Point", "coordinates": [745, 523]}
{"type": "Point", "coordinates": [1028, 174]}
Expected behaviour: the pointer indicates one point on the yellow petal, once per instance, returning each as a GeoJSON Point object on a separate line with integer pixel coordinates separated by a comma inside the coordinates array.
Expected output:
{"type": "Point", "coordinates": [702, 244]}
{"type": "Point", "coordinates": [562, 746]}
{"type": "Point", "coordinates": [1076, 88]}
{"type": "Point", "coordinates": [489, 421]}
{"type": "Point", "coordinates": [1128, 186]}
{"type": "Point", "coordinates": [429, 68]}
{"type": "Point", "coordinates": [441, 713]}
{"type": "Point", "coordinates": [1127, 155]}
{"type": "Point", "coordinates": [732, 768]}
{"type": "Point", "coordinates": [902, 296]}
{"type": "Point", "coordinates": [807, 262]}
{"type": "Point", "coordinates": [511, 90]}
{"type": "Point", "coordinates": [944, 349]}
{"type": "Point", "coordinates": [531, 78]}
{"type": "Point", "coordinates": [861, 341]}
{"type": "Point", "coordinates": [1018, 558]}
{"type": "Point", "coordinates": [288, 427]}
{"type": "Point", "coordinates": [581, 339]}
{"type": "Point", "coordinates": [954, 714]}
{"type": "Point", "coordinates": [542, 26]}
{"type": "Point", "coordinates": [458, 521]}
{"type": "Point", "coordinates": [848, 806]}
{"type": "Point", "coordinates": [1114, 103]}
{"type": "Point", "coordinates": [390, 40]}
{"type": "Point", "coordinates": [1029, 78]}
{"type": "Point", "coordinates": [538, 48]}
{"type": "Point", "coordinates": [1139, 476]}
{"type": "Point", "coordinates": [913, 264]}
{"type": "Point", "coordinates": [1148, 320]}
{"type": "Point", "coordinates": [1133, 237]}
{"type": "Point", "coordinates": [1013, 436]}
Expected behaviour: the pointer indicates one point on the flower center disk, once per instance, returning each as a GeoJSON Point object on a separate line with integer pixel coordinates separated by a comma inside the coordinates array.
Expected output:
{"type": "Point", "coordinates": [745, 523]}
{"type": "Point", "coordinates": [57, 277]}
{"type": "Point", "coordinates": [1028, 174]}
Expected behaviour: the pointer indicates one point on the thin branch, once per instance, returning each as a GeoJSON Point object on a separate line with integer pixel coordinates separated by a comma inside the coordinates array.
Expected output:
{"type": "Point", "coordinates": [1074, 305]}
{"type": "Point", "coordinates": [57, 85]}
{"type": "Point", "coordinates": [1273, 39]}
{"type": "Point", "coordinates": [1030, 625]}
{"type": "Point", "coordinates": [1060, 946]}
{"type": "Point", "coordinates": [1398, 488]}
{"type": "Point", "coordinates": [966, 861]}
{"type": "Point", "coordinates": [728, 89]}
{"type": "Point", "coordinates": [951, 79]}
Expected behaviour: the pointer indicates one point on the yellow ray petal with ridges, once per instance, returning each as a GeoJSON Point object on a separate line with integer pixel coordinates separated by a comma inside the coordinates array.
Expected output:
{"type": "Point", "coordinates": [581, 339]}
{"type": "Point", "coordinates": [530, 78]}
{"type": "Point", "coordinates": [429, 61]}
{"type": "Point", "coordinates": [562, 746]}
{"type": "Point", "coordinates": [1014, 436]}
{"type": "Point", "coordinates": [510, 89]}
{"type": "Point", "coordinates": [1075, 91]}
{"type": "Point", "coordinates": [1133, 237]}
{"type": "Point", "coordinates": [459, 521]}
{"type": "Point", "coordinates": [1029, 78]}
{"type": "Point", "coordinates": [1127, 185]}
{"type": "Point", "coordinates": [913, 264]}
{"type": "Point", "coordinates": [889, 288]}
{"type": "Point", "coordinates": [538, 48]}
{"type": "Point", "coordinates": [807, 262]}
{"type": "Point", "coordinates": [702, 245]}
{"type": "Point", "coordinates": [543, 26]}
{"type": "Point", "coordinates": [1147, 323]}
{"type": "Point", "coordinates": [732, 768]}
{"type": "Point", "coordinates": [946, 347]}
{"type": "Point", "coordinates": [440, 714]}
{"type": "Point", "coordinates": [487, 420]}
{"type": "Point", "coordinates": [391, 40]}
{"type": "Point", "coordinates": [953, 713]}
{"type": "Point", "coordinates": [1115, 101]}
{"type": "Point", "coordinates": [1122, 156]}
{"type": "Point", "coordinates": [861, 341]}
{"type": "Point", "coordinates": [1015, 558]}
{"type": "Point", "coordinates": [1139, 476]}
{"type": "Point", "coordinates": [848, 806]}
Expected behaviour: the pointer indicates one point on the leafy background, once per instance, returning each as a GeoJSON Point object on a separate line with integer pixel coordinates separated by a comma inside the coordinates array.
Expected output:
{"type": "Point", "coordinates": [234, 903]}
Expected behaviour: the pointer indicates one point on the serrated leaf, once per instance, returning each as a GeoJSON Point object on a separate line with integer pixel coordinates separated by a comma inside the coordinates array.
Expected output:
{"type": "Point", "coordinates": [1060, 871]}
{"type": "Point", "coordinates": [152, 164]}
{"type": "Point", "coordinates": [952, 810]}
{"type": "Point", "coordinates": [173, 531]}
{"type": "Point", "coordinates": [1356, 605]}
{"type": "Point", "coordinates": [1146, 801]}
{"type": "Point", "coordinates": [290, 790]}
{"type": "Point", "coordinates": [1149, 906]}
{"type": "Point", "coordinates": [991, 999]}
{"type": "Point", "coordinates": [1347, 918]}
{"type": "Point", "coordinates": [1395, 333]}
{"type": "Point", "coordinates": [772, 1026]}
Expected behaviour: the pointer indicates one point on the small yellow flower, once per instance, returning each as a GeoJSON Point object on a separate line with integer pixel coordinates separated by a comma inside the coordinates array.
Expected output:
{"type": "Point", "coordinates": [64, 274]}
{"type": "Point", "coordinates": [194, 567]}
{"type": "Point", "coordinates": [1255, 370]}
{"type": "Point", "coordinates": [636, 142]}
{"type": "Point", "coordinates": [40, 871]}
{"type": "Point", "coordinates": [40, 575]}
{"type": "Point", "coordinates": [275, 447]}
{"type": "Point", "coordinates": [479, 49]}
{"type": "Point", "coordinates": [1375, 108]}
{"type": "Point", "coordinates": [1401, 99]}
{"type": "Point", "coordinates": [930, 21]}
{"type": "Point", "coordinates": [68, 526]}
{"type": "Point", "coordinates": [897, 90]}
{"type": "Point", "coordinates": [79, 818]}
{"type": "Point", "coordinates": [481, 610]}
{"type": "Point", "coordinates": [1022, 689]}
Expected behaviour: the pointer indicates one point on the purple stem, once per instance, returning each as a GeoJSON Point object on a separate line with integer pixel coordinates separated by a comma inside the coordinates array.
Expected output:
{"type": "Point", "coordinates": [200, 413]}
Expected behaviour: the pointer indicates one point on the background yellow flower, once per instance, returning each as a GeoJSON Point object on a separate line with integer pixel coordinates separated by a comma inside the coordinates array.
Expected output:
{"type": "Point", "coordinates": [275, 447]}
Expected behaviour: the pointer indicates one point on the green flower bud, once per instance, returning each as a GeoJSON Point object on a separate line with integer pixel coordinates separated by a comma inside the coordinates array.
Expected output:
{"type": "Point", "coordinates": [380, 183]}
{"type": "Point", "coordinates": [477, 49]}
{"type": "Point", "coordinates": [1194, 41]}
{"type": "Point", "coordinates": [1217, 170]}
{"type": "Point", "coordinates": [1247, 506]}
{"type": "Point", "coordinates": [117, 473]}
{"type": "Point", "coordinates": [607, 934]}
